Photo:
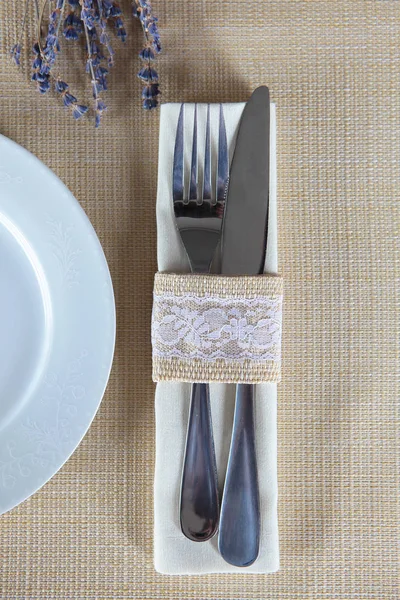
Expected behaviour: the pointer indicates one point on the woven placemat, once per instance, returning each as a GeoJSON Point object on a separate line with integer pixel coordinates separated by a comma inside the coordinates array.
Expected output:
{"type": "Point", "coordinates": [333, 69]}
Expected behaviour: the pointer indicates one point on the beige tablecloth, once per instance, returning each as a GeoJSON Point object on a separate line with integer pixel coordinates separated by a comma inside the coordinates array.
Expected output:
{"type": "Point", "coordinates": [333, 71]}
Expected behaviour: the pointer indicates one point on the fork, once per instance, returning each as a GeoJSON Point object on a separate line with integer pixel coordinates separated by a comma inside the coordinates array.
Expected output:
{"type": "Point", "coordinates": [199, 218]}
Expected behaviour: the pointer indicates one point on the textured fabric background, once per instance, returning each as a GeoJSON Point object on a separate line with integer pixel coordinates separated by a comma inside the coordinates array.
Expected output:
{"type": "Point", "coordinates": [333, 71]}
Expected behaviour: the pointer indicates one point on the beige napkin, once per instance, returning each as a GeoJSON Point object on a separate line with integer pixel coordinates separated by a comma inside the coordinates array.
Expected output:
{"type": "Point", "coordinates": [173, 553]}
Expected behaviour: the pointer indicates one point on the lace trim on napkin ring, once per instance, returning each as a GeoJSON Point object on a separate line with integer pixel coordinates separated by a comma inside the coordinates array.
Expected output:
{"type": "Point", "coordinates": [215, 328]}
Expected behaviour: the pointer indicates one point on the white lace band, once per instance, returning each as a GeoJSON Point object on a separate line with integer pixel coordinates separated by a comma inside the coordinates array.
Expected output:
{"type": "Point", "coordinates": [215, 328]}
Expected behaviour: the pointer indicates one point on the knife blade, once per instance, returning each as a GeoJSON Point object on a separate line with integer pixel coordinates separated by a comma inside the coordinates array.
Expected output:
{"type": "Point", "coordinates": [243, 249]}
{"type": "Point", "coordinates": [246, 217]}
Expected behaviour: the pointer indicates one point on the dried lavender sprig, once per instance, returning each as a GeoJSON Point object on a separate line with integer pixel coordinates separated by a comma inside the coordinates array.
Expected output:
{"type": "Point", "coordinates": [45, 59]}
{"type": "Point", "coordinates": [96, 59]}
{"type": "Point", "coordinates": [42, 75]}
{"type": "Point", "coordinates": [99, 105]}
{"type": "Point", "coordinates": [16, 49]}
{"type": "Point", "coordinates": [104, 37]}
{"type": "Point", "coordinates": [46, 55]}
{"type": "Point", "coordinates": [142, 9]}
{"type": "Point", "coordinates": [61, 6]}
{"type": "Point", "coordinates": [86, 15]}
{"type": "Point", "coordinates": [106, 10]}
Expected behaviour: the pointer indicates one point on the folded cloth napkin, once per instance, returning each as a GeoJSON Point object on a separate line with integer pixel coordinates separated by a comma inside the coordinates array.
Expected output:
{"type": "Point", "coordinates": [173, 553]}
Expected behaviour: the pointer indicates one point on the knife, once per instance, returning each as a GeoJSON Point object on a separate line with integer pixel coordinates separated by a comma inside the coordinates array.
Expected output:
{"type": "Point", "coordinates": [243, 247]}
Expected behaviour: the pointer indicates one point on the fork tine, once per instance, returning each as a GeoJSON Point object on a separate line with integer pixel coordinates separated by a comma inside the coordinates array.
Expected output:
{"type": "Point", "coordinates": [177, 173]}
{"type": "Point", "coordinates": [223, 158]}
{"type": "Point", "coordinates": [207, 161]}
{"type": "Point", "coordinates": [193, 168]}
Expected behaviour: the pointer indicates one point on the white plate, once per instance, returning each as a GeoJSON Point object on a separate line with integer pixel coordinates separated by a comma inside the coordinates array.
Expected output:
{"type": "Point", "coordinates": [57, 324]}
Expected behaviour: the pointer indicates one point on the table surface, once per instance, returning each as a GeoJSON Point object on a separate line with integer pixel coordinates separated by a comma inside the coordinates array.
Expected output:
{"type": "Point", "coordinates": [333, 69]}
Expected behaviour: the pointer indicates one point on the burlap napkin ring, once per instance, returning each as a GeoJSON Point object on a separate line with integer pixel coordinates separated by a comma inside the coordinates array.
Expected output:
{"type": "Point", "coordinates": [217, 328]}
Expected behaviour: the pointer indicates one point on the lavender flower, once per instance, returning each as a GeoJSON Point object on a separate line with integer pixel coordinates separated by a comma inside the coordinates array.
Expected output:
{"type": "Point", "coordinates": [121, 33]}
{"type": "Point", "coordinates": [100, 108]}
{"type": "Point", "coordinates": [148, 74]}
{"type": "Point", "coordinates": [44, 86]}
{"type": "Point", "coordinates": [150, 91]}
{"type": "Point", "coordinates": [115, 10]}
{"type": "Point", "coordinates": [72, 27]}
{"type": "Point", "coordinates": [101, 73]}
{"type": "Point", "coordinates": [119, 25]}
{"type": "Point", "coordinates": [69, 101]}
{"type": "Point", "coordinates": [156, 45]}
{"type": "Point", "coordinates": [79, 110]}
{"type": "Point", "coordinates": [150, 103]}
{"type": "Point", "coordinates": [107, 6]}
{"type": "Point", "coordinates": [152, 28]}
{"type": "Point", "coordinates": [61, 86]}
{"type": "Point", "coordinates": [16, 54]}
{"type": "Point", "coordinates": [146, 54]}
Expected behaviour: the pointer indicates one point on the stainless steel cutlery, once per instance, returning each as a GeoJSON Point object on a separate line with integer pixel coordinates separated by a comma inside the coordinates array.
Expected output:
{"type": "Point", "coordinates": [244, 242]}
{"type": "Point", "coordinates": [199, 216]}
{"type": "Point", "coordinates": [240, 213]}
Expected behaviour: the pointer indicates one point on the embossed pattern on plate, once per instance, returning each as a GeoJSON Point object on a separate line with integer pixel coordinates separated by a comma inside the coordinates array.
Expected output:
{"type": "Point", "coordinates": [57, 324]}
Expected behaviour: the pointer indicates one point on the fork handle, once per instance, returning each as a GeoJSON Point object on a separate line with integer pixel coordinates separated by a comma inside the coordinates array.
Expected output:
{"type": "Point", "coordinates": [239, 530]}
{"type": "Point", "coordinates": [199, 510]}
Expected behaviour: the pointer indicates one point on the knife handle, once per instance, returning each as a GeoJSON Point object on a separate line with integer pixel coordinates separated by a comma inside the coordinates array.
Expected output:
{"type": "Point", "coordinates": [199, 510]}
{"type": "Point", "coordinates": [239, 530]}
